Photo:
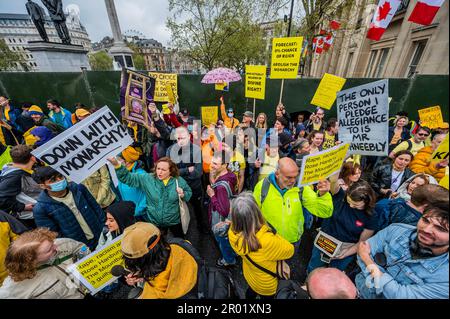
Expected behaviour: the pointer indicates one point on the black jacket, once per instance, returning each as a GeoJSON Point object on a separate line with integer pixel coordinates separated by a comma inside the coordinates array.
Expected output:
{"type": "Point", "coordinates": [382, 178]}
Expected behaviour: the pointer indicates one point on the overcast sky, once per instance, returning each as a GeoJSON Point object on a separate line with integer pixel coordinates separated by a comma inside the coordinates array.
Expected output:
{"type": "Point", "coordinates": [146, 16]}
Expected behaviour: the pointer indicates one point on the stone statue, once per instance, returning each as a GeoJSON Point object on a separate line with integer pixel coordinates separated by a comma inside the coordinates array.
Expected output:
{"type": "Point", "coordinates": [56, 12]}
{"type": "Point", "coordinates": [37, 14]}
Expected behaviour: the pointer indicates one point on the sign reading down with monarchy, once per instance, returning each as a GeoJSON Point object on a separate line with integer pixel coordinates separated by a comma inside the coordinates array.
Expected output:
{"type": "Point", "coordinates": [82, 149]}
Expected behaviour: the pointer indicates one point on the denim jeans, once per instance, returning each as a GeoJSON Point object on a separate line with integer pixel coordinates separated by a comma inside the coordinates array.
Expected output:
{"type": "Point", "coordinates": [316, 261]}
{"type": "Point", "coordinates": [227, 252]}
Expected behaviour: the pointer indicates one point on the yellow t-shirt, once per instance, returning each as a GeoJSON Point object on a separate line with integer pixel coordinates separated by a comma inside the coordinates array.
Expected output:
{"type": "Point", "coordinates": [268, 166]}
{"type": "Point", "coordinates": [236, 165]}
{"type": "Point", "coordinates": [316, 126]}
{"type": "Point", "coordinates": [416, 147]}
{"type": "Point", "coordinates": [329, 141]}
{"type": "Point", "coordinates": [166, 181]}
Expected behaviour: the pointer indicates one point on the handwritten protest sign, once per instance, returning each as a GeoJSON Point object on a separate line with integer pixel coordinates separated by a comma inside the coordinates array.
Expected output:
{"type": "Point", "coordinates": [363, 114]}
{"type": "Point", "coordinates": [431, 117]}
{"type": "Point", "coordinates": [82, 149]}
{"type": "Point", "coordinates": [318, 166]}
{"type": "Point", "coordinates": [210, 115]}
{"type": "Point", "coordinates": [326, 92]}
{"type": "Point", "coordinates": [441, 152]}
{"type": "Point", "coordinates": [162, 79]}
{"type": "Point", "coordinates": [255, 81]}
{"type": "Point", "coordinates": [285, 57]}
{"type": "Point", "coordinates": [222, 87]}
{"type": "Point", "coordinates": [94, 270]}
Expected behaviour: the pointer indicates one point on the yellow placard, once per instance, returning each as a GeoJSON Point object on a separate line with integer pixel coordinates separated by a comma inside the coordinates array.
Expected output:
{"type": "Point", "coordinates": [162, 79]}
{"type": "Point", "coordinates": [210, 115]}
{"type": "Point", "coordinates": [255, 81]}
{"type": "Point", "coordinates": [285, 57]}
{"type": "Point", "coordinates": [319, 166]}
{"type": "Point", "coordinates": [431, 117]}
{"type": "Point", "coordinates": [170, 95]}
{"type": "Point", "coordinates": [221, 86]}
{"type": "Point", "coordinates": [326, 92]}
{"type": "Point", "coordinates": [94, 271]}
{"type": "Point", "coordinates": [441, 152]}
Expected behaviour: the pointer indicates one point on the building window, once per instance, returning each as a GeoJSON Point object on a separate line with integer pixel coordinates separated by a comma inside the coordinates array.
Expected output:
{"type": "Point", "coordinates": [371, 63]}
{"type": "Point", "coordinates": [349, 63]}
{"type": "Point", "coordinates": [380, 67]}
{"type": "Point", "coordinates": [419, 48]}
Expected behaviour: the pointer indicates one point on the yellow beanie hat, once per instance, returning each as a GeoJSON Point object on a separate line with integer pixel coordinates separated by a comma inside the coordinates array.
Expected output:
{"type": "Point", "coordinates": [34, 109]}
{"type": "Point", "coordinates": [130, 154]}
{"type": "Point", "coordinates": [82, 112]}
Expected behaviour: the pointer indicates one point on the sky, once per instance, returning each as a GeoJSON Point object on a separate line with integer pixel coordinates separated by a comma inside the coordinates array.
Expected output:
{"type": "Point", "coordinates": [146, 16]}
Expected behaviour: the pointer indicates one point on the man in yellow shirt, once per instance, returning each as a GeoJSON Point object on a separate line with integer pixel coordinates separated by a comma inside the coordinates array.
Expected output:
{"type": "Point", "coordinates": [415, 144]}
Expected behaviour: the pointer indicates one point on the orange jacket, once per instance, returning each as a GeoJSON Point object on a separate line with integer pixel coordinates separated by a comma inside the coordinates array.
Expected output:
{"type": "Point", "coordinates": [228, 121]}
{"type": "Point", "coordinates": [422, 164]}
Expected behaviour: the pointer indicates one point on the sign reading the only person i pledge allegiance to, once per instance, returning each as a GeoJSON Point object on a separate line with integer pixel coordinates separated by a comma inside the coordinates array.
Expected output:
{"type": "Point", "coordinates": [82, 149]}
{"type": "Point", "coordinates": [94, 270]}
{"type": "Point", "coordinates": [285, 57]}
{"type": "Point", "coordinates": [363, 114]}
{"type": "Point", "coordinates": [255, 81]}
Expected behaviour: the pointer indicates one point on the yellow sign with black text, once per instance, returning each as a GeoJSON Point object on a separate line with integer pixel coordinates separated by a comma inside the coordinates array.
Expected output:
{"type": "Point", "coordinates": [255, 81]}
{"type": "Point", "coordinates": [441, 153]}
{"type": "Point", "coordinates": [325, 94]}
{"type": "Point", "coordinates": [162, 80]}
{"type": "Point", "coordinates": [210, 115]}
{"type": "Point", "coordinates": [431, 117]}
{"type": "Point", "coordinates": [285, 57]}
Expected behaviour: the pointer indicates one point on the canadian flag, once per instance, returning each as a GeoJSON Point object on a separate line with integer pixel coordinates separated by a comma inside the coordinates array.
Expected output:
{"type": "Point", "coordinates": [425, 11]}
{"type": "Point", "coordinates": [328, 42]}
{"type": "Point", "coordinates": [319, 45]}
{"type": "Point", "coordinates": [382, 17]}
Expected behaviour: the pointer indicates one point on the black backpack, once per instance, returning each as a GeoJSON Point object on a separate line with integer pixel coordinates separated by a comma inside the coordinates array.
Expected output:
{"type": "Point", "coordinates": [212, 282]}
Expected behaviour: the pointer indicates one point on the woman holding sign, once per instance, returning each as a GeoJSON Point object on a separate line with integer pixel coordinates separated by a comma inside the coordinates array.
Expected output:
{"type": "Point", "coordinates": [161, 191]}
{"type": "Point", "coordinates": [352, 222]}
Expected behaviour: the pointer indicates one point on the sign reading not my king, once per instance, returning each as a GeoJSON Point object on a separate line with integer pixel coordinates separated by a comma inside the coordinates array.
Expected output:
{"type": "Point", "coordinates": [82, 149]}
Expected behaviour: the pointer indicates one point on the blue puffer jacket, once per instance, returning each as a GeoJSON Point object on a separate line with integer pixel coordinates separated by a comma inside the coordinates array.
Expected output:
{"type": "Point", "coordinates": [59, 218]}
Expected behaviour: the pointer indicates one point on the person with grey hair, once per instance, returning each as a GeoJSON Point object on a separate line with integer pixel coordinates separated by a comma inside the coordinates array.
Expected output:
{"type": "Point", "coordinates": [260, 247]}
{"type": "Point", "coordinates": [330, 283]}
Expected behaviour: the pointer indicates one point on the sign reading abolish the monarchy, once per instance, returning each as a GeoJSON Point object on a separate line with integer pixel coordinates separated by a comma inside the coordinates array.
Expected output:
{"type": "Point", "coordinates": [162, 79]}
{"type": "Point", "coordinates": [318, 166]}
{"type": "Point", "coordinates": [431, 117]}
{"type": "Point", "coordinates": [285, 57]}
{"type": "Point", "coordinates": [255, 81]}
{"type": "Point", "coordinates": [83, 149]}
{"type": "Point", "coordinates": [363, 114]}
{"type": "Point", "coordinates": [210, 115]}
{"type": "Point", "coordinates": [326, 92]}
{"type": "Point", "coordinates": [94, 270]}
{"type": "Point", "coordinates": [441, 153]}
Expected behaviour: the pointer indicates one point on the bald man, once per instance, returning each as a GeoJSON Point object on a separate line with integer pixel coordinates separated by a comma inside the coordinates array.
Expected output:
{"type": "Point", "coordinates": [282, 202]}
{"type": "Point", "coordinates": [330, 283]}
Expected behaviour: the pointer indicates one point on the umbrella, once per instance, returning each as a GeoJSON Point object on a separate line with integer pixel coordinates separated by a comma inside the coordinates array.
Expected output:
{"type": "Point", "coordinates": [221, 75]}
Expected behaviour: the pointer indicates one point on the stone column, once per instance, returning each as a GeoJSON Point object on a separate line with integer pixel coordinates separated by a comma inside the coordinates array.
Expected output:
{"type": "Point", "coordinates": [114, 21]}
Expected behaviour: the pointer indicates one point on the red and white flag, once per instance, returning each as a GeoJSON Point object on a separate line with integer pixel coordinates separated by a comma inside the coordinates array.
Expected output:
{"type": "Point", "coordinates": [328, 42]}
{"type": "Point", "coordinates": [425, 11]}
{"type": "Point", "coordinates": [319, 45]}
{"type": "Point", "coordinates": [382, 17]}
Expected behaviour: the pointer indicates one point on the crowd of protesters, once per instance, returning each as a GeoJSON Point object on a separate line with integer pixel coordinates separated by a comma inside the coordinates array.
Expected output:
{"type": "Point", "coordinates": [239, 177]}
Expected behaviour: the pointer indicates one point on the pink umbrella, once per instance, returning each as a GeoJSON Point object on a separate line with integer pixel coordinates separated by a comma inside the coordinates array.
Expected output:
{"type": "Point", "coordinates": [221, 75]}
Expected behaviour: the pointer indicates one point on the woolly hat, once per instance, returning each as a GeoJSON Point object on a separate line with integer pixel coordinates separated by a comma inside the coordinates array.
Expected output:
{"type": "Point", "coordinates": [130, 154]}
{"type": "Point", "coordinates": [35, 110]}
{"type": "Point", "coordinates": [139, 239]}
{"type": "Point", "coordinates": [82, 112]}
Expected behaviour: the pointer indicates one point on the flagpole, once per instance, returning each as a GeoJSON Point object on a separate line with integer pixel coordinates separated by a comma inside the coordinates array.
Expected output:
{"type": "Point", "coordinates": [254, 109]}
{"type": "Point", "coordinates": [281, 91]}
{"type": "Point", "coordinates": [288, 35]}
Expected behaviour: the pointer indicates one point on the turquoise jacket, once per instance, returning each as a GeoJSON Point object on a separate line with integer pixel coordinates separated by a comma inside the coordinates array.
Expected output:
{"type": "Point", "coordinates": [163, 208]}
{"type": "Point", "coordinates": [65, 120]}
{"type": "Point", "coordinates": [134, 194]}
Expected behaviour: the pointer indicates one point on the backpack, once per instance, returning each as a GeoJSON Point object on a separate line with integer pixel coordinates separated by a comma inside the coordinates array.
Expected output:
{"type": "Point", "coordinates": [217, 227]}
{"type": "Point", "coordinates": [410, 145]}
{"type": "Point", "coordinates": [308, 217]}
{"type": "Point", "coordinates": [212, 282]}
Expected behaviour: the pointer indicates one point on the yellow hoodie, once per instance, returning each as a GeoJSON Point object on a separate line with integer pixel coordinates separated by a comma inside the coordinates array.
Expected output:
{"type": "Point", "coordinates": [179, 277]}
{"type": "Point", "coordinates": [273, 248]}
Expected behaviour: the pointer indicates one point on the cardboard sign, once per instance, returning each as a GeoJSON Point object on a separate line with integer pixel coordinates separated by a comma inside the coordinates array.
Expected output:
{"type": "Point", "coordinates": [431, 117]}
{"type": "Point", "coordinates": [210, 115]}
{"type": "Point", "coordinates": [82, 149]}
{"type": "Point", "coordinates": [441, 152]}
{"type": "Point", "coordinates": [319, 166]}
{"type": "Point", "coordinates": [363, 114]}
{"type": "Point", "coordinates": [285, 57]}
{"type": "Point", "coordinates": [326, 92]}
{"type": "Point", "coordinates": [162, 79]}
{"type": "Point", "coordinates": [329, 245]}
{"type": "Point", "coordinates": [255, 81]}
{"type": "Point", "coordinates": [170, 94]}
{"type": "Point", "coordinates": [94, 270]}
{"type": "Point", "coordinates": [222, 87]}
